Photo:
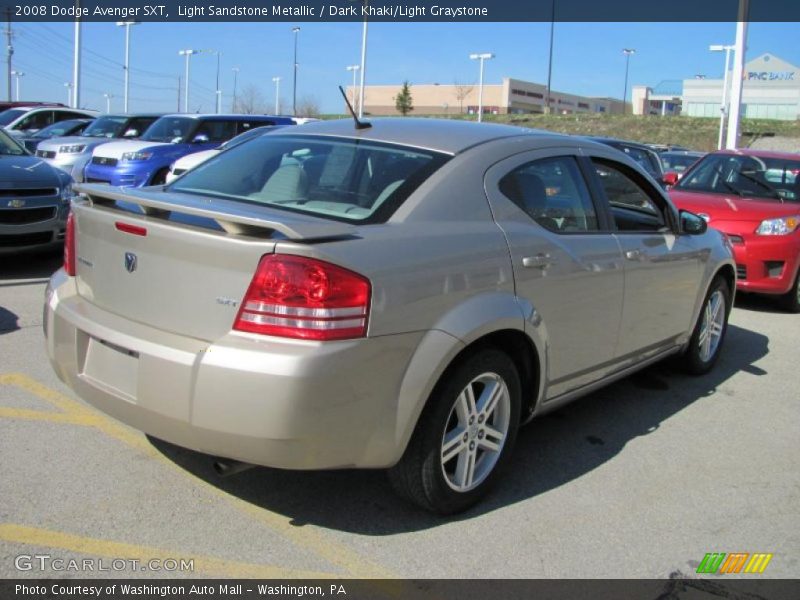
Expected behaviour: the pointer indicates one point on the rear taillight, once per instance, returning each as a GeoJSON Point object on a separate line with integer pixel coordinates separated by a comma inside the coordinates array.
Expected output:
{"type": "Point", "coordinates": [299, 297]}
{"type": "Point", "coordinates": [69, 246]}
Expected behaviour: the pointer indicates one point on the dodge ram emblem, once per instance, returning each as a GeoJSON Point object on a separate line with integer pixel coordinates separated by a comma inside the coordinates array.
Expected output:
{"type": "Point", "coordinates": [130, 262]}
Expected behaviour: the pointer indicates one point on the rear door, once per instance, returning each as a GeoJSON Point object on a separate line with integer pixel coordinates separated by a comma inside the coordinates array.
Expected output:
{"type": "Point", "coordinates": [567, 262]}
{"type": "Point", "coordinates": [662, 267]}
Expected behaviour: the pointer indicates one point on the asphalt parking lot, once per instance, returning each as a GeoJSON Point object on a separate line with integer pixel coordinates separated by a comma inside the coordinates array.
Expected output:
{"type": "Point", "coordinates": [640, 479]}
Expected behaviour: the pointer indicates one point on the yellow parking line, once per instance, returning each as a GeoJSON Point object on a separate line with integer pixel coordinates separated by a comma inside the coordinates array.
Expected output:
{"type": "Point", "coordinates": [47, 538]}
{"type": "Point", "coordinates": [44, 415]}
{"type": "Point", "coordinates": [305, 536]}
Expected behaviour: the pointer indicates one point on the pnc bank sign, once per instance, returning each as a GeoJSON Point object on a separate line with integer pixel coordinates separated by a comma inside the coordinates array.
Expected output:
{"type": "Point", "coordinates": [771, 75]}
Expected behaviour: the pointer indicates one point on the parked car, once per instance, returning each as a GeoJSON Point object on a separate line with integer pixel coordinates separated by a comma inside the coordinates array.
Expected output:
{"type": "Point", "coordinates": [146, 161]}
{"type": "Point", "coordinates": [641, 153]}
{"type": "Point", "coordinates": [72, 153]}
{"type": "Point", "coordinates": [668, 148]}
{"type": "Point", "coordinates": [678, 161]}
{"type": "Point", "coordinates": [401, 296]}
{"type": "Point", "coordinates": [34, 200]}
{"type": "Point", "coordinates": [183, 164]}
{"type": "Point", "coordinates": [5, 105]}
{"type": "Point", "coordinates": [26, 120]}
{"type": "Point", "coordinates": [753, 196]}
{"type": "Point", "coordinates": [60, 129]}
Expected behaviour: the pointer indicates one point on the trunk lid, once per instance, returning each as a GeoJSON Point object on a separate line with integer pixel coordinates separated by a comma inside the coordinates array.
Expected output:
{"type": "Point", "coordinates": [175, 262]}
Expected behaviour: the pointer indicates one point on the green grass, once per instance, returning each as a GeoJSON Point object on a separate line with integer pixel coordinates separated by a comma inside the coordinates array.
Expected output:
{"type": "Point", "coordinates": [692, 132]}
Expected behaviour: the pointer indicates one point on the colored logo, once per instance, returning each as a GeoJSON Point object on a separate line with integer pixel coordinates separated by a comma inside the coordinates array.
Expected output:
{"type": "Point", "coordinates": [16, 203]}
{"type": "Point", "coordinates": [735, 562]}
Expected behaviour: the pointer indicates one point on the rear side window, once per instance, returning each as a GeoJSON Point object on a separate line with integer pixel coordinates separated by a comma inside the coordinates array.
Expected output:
{"type": "Point", "coordinates": [342, 179]}
{"type": "Point", "coordinates": [552, 192]}
{"type": "Point", "coordinates": [242, 126]}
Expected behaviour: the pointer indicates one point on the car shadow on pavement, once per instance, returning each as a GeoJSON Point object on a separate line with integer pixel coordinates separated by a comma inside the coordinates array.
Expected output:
{"type": "Point", "coordinates": [37, 266]}
{"type": "Point", "coordinates": [758, 303]}
{"type": "Point", "coordinates": [8, 321]}
{"type": "Point", "coordinates": [550, 452]}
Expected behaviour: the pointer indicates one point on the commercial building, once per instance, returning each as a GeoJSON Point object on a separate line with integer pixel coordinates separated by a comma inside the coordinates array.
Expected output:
{"type": "Point", "coordinates": [771, 90]}
{"type": "Point", "coordinates": [513, 96]}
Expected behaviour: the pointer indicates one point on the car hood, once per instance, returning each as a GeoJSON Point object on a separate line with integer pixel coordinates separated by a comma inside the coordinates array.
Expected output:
{"type": "Point", "coordinates": [29, 172]}
{"type": "Point", "coordinates": [724, 207]}
{"type": "Point", "coordinates": [117, 149]}
{"type": "Point", "coordinates": [194, 159]}
{"type": "Point", "coordinates": [53, 144]}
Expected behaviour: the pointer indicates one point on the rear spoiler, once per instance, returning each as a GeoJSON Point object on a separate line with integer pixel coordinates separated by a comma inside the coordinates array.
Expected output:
{"type": "Point", "coordinates": [234, 217]}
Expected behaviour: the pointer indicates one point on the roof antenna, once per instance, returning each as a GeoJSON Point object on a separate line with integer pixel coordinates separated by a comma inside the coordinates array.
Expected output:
{"type": "Point", "coordinates": [359, 124]}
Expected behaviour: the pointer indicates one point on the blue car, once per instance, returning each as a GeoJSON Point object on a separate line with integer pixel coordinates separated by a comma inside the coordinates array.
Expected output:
{"type": "Point", "coordinates": [146, 161]}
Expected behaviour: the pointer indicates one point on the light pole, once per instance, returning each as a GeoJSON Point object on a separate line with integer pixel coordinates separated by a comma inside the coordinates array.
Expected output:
{"type": "Point", "coordinates": [737, 75]}
{"type": "Point", "coordinates": [277, 81]}
{"type": "Point", "coordinates": [18, 74]}
{"type": "Point", "coordinates": [69, 93]}
{"type": "Point", "coordinates": [108, 98]}
{"type": "Point", "coordinates": [481, 57]}
{"type": "Point", "coordinates": [627, 52]}
{"type": "Point", "coordinates": [295, 30]}
{"type": "Point", "coordinates": [550, 59]}
{"type": "Point", "coordinates": [188, 54]}
{"type": "Point", "coordinates": [76, 62]}
{"type": "Point", "coordinates": [217, 91]}
{"type": "Point", "coordinates": [363, 66]}
{"type": "Point", "coordinates": [354, 69]}
{"type": "Point", "coordinates": [235, 77]}
{"type": "Point", "coordinates": [126, 66]}
{"type": "Point", "coordinates": [723, 109]}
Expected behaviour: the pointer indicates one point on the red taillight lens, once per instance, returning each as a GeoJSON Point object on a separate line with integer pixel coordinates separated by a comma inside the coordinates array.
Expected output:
{"type": "Point", "coordinates": [298, 297]}
{"type": "Point", "coordinates": [69, 246]}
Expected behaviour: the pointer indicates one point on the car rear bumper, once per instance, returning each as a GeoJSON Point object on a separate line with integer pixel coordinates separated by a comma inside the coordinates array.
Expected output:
{"type": "Point", "coordinates": [268, 401]}
{"type": "Point", "coordinates": [767, 264]}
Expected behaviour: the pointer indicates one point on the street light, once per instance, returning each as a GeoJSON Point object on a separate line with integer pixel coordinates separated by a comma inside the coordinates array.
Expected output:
{"type": "Point", "coordinates": [277, 81]}
{"type": "Point", "coordinates": [481, 57]}
{"type": "Point", "coordinates": [235, 77]}
{"type": "Point", "coordinates": [18, 74]}
{"type": "Point", "coordinates": [69, 93]}
{"type": "Point", "coordinates": [723, 110]}
{"type": "Point", "coordinates": [188, 54]}
{"type": "Point", "coordinates": [108, 98]}
{"type": "Point", "coordinates": [295, 30]}
{"type": "Point", "coordinates": [354, 69]}
{"type": "Point", "coordinates": [217, 91]}
{"type": "Point", "coordinates": [126, 66]}
{"type": "Point", "coordinates": [627, 52]}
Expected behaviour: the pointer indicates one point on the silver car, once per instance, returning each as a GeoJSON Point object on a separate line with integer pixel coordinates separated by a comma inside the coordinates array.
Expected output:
{"type": "Point", "coordinates": [399, 296]}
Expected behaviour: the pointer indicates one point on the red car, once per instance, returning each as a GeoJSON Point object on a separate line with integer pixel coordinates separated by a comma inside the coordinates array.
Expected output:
{"type": "Point", "coordinates": [754, 198]}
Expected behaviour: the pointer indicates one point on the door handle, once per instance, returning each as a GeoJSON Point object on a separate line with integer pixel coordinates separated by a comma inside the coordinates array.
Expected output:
{"type": "Point", "coordinates": [634, 255]}
{"type": "Point", "coordinates": [540, 261]}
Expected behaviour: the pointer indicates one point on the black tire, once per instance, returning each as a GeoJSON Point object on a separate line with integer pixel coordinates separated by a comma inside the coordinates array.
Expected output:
{"type": "Point", "coordinates": [421, 476]}
{"type": "Point", "coordinates": [160, 177]}
{"type": "Point", "coordinates": [694, 360]}
{"type": "Point", "coordinates": [790, 301]}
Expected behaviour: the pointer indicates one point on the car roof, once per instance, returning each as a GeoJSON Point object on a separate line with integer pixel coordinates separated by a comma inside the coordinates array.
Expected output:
{"type": "Point", "coordinates": [449, 136]}
{"type": "Point", "coordinates": [134, 114]}
{"type": "Point", "coordinates": [223, 116]}
{"type": "Point", "coordinates": [611, 141]}
{"type": "Point", "coordinates": [682, 153]}
{"type": "Point", "coordinates": [761, 153]}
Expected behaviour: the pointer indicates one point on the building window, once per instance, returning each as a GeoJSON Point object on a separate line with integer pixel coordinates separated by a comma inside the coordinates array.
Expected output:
{"type": "Point", "coordinates": [534, 95]}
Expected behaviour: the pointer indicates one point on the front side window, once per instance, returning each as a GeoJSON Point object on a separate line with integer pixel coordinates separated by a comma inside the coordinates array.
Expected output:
{"type": "Point", "coordinates": [105, 127]}
{"type": "Point", "coordinates": [756, 177]}
{"type": "Point", "coordinates": [632, 207]}
{"type": "Point", "coordinates": [36, 121]}
{"type": "Point", "coordinates": [552, 192]}
{"type": "Point", "coordinates": [343, 179]}
{"type": "Point", "coordinates": [137, 126]}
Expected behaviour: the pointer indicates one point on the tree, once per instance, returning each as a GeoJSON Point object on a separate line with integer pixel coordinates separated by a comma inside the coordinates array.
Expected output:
{"type": "Point", "coordinates": [403, 102]}
{"type": "Point", "coordinates": [462, 91]}
{"type": "Point", "coordinates": [251, 101]}
{"type": "Point", "coordinates": [308, 106]}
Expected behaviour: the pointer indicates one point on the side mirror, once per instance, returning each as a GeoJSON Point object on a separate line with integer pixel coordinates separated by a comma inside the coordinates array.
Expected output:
{"type": "Point", "coordinates": [670, 178]}
{"type": "Point", "coordinates": [131, 133]}
{"type": "Point", "coordinates": [692, 223]}
{"type": "Point", "coordinates": [200, 138]}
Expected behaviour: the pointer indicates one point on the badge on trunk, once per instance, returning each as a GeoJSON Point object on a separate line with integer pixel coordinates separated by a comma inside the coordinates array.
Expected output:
{"type": "Point", "coordinates": [130, 262]}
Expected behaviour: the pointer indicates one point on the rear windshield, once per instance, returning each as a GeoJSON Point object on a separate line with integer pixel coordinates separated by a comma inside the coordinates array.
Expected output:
{"type": "Point", "coordinates": [343, 179]}
{"type": "Point", "coordinates": [677, 162]}
{"type": "Point", "coordinates": [756, 177]}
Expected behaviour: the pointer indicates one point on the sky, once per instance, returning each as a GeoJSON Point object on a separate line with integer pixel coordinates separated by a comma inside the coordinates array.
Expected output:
{"type": "Point", "coordinates": [587, 57]}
